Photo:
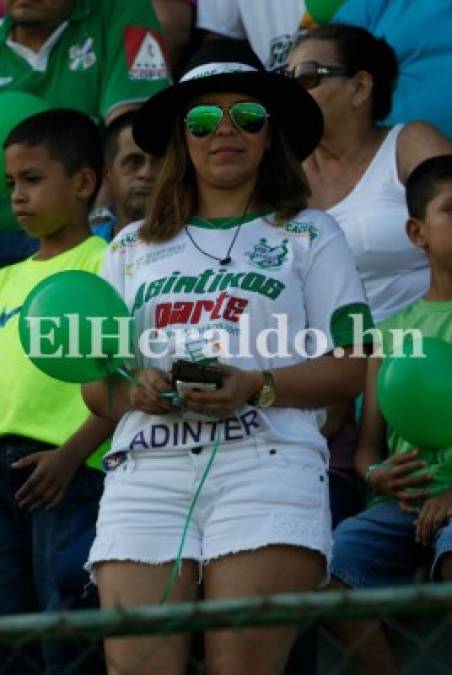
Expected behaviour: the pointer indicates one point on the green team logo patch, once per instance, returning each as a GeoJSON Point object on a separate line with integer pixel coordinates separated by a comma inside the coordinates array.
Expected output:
{"type": "Point", "coordinates": [306, 229]}
{"type": "Point", "coordinates": [265, 256]}
{"type": "Point", "coordinates": [82, 55]}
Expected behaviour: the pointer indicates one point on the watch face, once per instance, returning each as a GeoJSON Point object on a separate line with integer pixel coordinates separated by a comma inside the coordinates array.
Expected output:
{"type": "Point", "coordinates": [266, 398]}
{"type": "Point", "coordinates": [267, 394]}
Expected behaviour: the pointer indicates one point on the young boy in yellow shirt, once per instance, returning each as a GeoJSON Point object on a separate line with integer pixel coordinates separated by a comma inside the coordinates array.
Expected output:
{"type": "Point", "coordinates": [48, 495]}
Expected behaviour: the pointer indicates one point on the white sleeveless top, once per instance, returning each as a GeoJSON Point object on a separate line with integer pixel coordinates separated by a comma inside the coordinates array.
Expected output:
{"type": "Point", "coordinates": [394, 272]}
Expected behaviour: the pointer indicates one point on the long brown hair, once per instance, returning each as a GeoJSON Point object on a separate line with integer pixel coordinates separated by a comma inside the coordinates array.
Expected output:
{"type": "Point", "coordinates": [281, 186]}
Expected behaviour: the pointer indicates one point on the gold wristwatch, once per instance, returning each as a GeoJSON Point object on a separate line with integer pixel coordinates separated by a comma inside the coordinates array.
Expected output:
{"type": "Point", "coordinates": [266, 396]}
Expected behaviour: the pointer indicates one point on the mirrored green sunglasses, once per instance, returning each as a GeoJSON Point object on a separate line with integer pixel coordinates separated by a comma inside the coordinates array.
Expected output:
{"type": "Point", "coordinates": [205, 119]}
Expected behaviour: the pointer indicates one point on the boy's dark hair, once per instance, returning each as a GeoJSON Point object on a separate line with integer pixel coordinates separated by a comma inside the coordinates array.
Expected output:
{"type": "Point", "coordinates": [358, 49]}
{"type": "Point", "coordinates": [70, 136]}
{"type": "Point", "coordinates": [425, 181]}
{"type": "Point", "coordinates": [112, 132]}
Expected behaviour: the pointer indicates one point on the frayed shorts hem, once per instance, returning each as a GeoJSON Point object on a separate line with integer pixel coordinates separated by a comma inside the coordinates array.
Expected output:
{"type": "Point", "coordinates": [234, 550]}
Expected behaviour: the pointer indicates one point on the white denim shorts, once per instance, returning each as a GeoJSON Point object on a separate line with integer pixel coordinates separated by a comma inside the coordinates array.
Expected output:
{"type": "Point", "coordinates": [255, 495]}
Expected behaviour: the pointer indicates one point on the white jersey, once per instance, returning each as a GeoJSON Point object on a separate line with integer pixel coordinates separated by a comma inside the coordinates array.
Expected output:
{"type": "Point", "coordinates": [269, 25]}
{"type": "Point", "coordinates": [290, 278]}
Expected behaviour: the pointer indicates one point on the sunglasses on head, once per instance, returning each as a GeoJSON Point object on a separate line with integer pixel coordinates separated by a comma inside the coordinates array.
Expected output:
{"type": "Point", "coordinates": [309, 74]}
{"type": "Point", "coordinates": [203, 120]}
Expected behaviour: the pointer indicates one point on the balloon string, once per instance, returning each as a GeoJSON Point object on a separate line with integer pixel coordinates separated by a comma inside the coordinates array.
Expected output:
{"type": "Point", "coordinates": [123, 372]}
{"type": "Point", "coordinates": [176, 567]}
{"type": "Point", "coordinates": [177, 563]}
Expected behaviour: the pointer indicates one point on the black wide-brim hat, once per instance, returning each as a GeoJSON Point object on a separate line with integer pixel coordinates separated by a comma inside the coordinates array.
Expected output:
{"type": "Point", "coordinates": [231, 66]}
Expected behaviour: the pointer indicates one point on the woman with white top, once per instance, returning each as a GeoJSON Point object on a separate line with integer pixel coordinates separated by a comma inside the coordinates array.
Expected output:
{"type": "Point", "coordinates": [359, 169]}
{"type": "Point", "coordinates": [357, 173]}
{"type": "Point", "coordinates": [229, 244]}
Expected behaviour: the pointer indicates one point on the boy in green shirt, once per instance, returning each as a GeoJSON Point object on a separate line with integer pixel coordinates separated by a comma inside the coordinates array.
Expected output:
{"type": "Point", "coordinates": [410, 524]}
{"type": "Point", "coordinates": [54, 168]}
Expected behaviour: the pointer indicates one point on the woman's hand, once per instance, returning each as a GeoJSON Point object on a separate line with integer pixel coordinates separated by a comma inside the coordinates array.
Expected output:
{"type": "Point", "coordinates": [145, 395]}
{"type": "Point", "coordinates": [393, 478]}
{"type": "Point", "coordinates": [238, 388]}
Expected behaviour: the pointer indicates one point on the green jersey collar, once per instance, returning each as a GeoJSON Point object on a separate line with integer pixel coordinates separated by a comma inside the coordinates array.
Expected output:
{"type": "Point", "coordinates": [224, 223]}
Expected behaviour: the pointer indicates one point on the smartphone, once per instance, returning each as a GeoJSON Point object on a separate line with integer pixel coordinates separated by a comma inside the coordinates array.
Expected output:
{"type": "Point", "coordinates": [181, 386]}
{"type": "Point", "coordinates": [196, 375]}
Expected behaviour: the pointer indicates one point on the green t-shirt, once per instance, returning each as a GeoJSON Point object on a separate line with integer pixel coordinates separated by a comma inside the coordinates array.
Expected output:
{"type": "Point", "coordinates": [433, 319]}
{"type": "Point", "coordinates": [33, 404]}
{"type": "Point", "coordinates": [107, 54]}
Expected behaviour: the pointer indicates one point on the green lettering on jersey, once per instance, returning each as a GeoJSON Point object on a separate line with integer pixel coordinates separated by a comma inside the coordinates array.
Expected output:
{"type": "Point", "coordinates": [154, 289]}
{"type": "Point", "coordinates": [139, 298]}
{"type": "Point", "coordinates": [208, 281]}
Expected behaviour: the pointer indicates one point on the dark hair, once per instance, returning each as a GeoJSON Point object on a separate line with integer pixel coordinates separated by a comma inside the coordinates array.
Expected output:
{"type": "Point", "coordinates": [69, 136]}
{"type": "Point", "coordinates": [425, 181]}
{"type": "Point", "coordinates": [281, 186]}
{"type": "Point", "coordinates": [112, 132]}
{"type": "Point", "coordinates": [360, 50]}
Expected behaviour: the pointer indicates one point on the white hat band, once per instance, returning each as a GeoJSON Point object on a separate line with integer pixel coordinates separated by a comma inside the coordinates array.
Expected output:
{"type": "Point", "coordinates": [210, 69]}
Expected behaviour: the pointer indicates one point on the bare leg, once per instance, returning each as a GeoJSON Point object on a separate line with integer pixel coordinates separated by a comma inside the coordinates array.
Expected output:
{"type": "Point", "coordinates": [274, 569]}
{"type": "Point", "coordinates": [130, 583]}
{"type": "Point", "coordinates": [364, 641]}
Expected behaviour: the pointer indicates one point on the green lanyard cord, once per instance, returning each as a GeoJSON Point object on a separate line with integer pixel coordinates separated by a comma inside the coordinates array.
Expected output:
{"type": "Point", "coordinates": [176, 567]}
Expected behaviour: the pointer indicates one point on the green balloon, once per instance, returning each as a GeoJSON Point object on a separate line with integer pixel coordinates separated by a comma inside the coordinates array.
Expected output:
{"type": "Point", "coordinates": [15, 106]}
{"type": "Point", "coordinates": [322, 11]}
{"type": "Point", "coordinates": [415, 394]}
{"type": "Point", "coordinates": [59, 320]}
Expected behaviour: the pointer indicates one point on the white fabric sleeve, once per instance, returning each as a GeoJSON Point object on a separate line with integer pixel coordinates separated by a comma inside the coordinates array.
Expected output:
{"type": "Point", "coordinates": [330, 280]}
{"type": "Point", "coordinates": [113, 269]}
{"type": "Point", "coordinates": [221, 16]}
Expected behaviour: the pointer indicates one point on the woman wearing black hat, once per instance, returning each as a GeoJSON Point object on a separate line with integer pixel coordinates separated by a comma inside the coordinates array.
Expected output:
{"type": "Point", "coordinates": [230, 262]}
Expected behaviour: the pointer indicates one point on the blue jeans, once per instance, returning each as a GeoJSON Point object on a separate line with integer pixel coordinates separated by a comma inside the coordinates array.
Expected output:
{"type": "Point", "coordinates": [377, 548]}
{"type": "Point", "coordinates": [31, 542]}
{"type": "Point", "coordinates": [72, 580]}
